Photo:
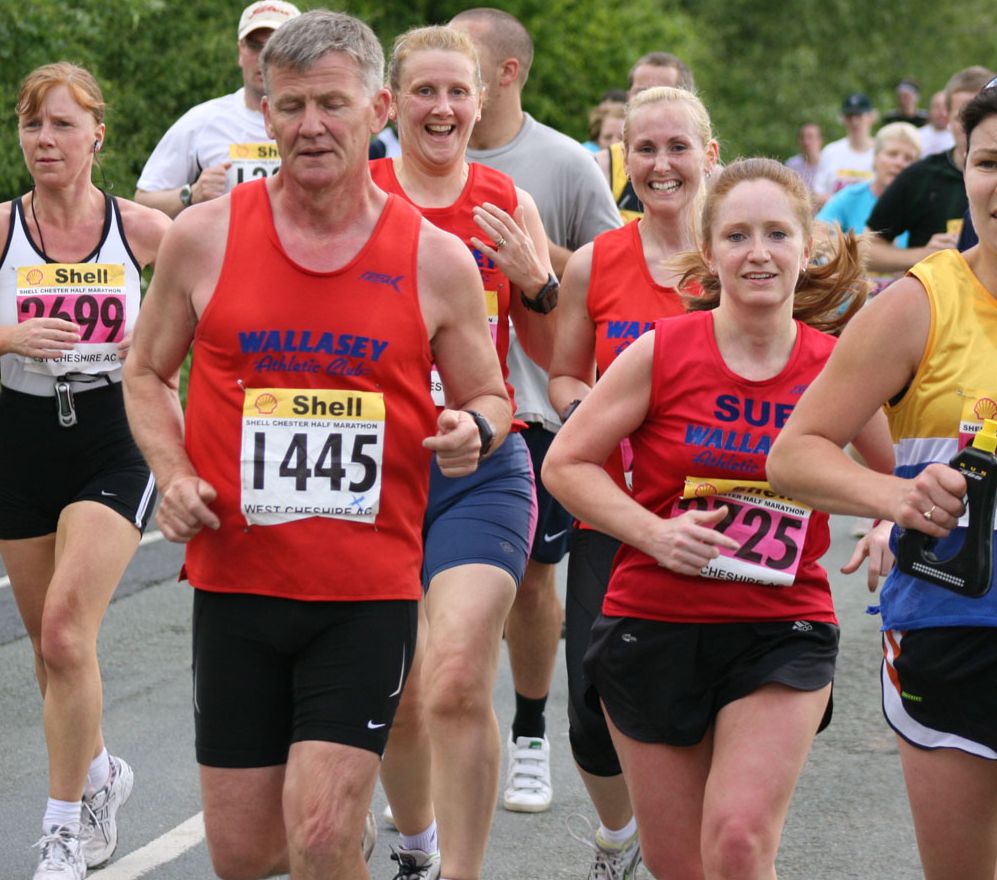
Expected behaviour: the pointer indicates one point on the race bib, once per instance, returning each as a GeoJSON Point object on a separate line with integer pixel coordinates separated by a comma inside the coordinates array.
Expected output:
{"type": "Point", "coordinates": [435, 382]}
{"type": "Point", "coordinates": [311, 453]}
{"type": "Point", "coordinates": [769, 527]}
{"type": "Point", "coordinates": [250, 161]}
{"type": "Point", "coordinates": [91, 295]}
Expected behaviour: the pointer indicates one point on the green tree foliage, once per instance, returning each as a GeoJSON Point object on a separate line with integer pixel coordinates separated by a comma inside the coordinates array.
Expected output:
{"type": "Point", "coordinates": [761, 68]}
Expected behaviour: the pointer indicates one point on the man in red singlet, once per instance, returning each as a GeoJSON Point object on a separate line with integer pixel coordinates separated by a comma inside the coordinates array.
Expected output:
{"type": "Point", "coordinates": [316, 304]}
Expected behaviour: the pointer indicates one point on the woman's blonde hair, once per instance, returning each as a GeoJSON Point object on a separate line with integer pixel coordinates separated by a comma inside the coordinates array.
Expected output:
{"type": "Point", "coordinates": [420, 39]}
{"type": "Point", "coordinates": [833, 287]}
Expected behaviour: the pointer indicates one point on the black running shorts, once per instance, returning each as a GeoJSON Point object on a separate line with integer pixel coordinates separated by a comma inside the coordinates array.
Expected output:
{"type": "Point", "coordinates": [666, 682]}
{"type": "Point", "coordinates": [44, 467]}
{"type": "Point", "coordinates": [269, 672]}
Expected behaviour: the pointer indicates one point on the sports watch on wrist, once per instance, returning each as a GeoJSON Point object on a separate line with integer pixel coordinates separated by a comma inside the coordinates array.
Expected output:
{"type": "Point", "coordinates": [186, 195]}
{"type": "Point", "coordinates": [545, 300]}
{"type": "Point", "coordinates": [485, 429]}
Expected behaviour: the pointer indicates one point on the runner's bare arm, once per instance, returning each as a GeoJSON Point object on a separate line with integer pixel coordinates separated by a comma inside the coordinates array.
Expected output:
{"type": "Point", "coordinates": [210, 185]}
{"type": "Point", "coordinates": [453, 308]}
{"type": "Point", "coordinates": [572, 366]}
{"type": "Point", "coordinates": [187, 268]}
{"type": "Point", "coordinates": [573, 470]}
{"type": "Point", "coordinates": [885, 256]}
{"type": "Point", "coordinates": [875, 360]}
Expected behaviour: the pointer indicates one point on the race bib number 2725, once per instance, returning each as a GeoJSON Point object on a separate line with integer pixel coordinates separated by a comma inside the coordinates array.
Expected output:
{"type": "Point", "coordinates": [770, 529]}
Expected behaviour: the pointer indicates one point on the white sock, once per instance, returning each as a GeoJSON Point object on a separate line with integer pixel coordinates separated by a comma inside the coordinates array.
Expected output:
{"type": "Point", "coordinates": [617, 838]}
{"type": "Point", "coordinates": [59, 813]}
{"type": "Point", "coordinates": [427, 841]}
{"type": "Point", "coordinates": [98, 774]}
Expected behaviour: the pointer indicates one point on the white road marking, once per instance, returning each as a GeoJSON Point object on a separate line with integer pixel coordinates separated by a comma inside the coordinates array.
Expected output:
{"type": "Point", "coordinates": [158, 852]}
{"type": "Point", "coordinates": [150, 538]}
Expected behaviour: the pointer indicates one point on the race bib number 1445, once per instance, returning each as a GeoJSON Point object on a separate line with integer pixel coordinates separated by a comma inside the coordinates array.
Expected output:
{"type": "Point", "coordinates": [311, 453]}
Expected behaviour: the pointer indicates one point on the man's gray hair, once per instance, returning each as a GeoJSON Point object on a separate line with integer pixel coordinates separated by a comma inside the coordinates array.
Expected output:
{"type": "Point", "coordinates": [302, 41]}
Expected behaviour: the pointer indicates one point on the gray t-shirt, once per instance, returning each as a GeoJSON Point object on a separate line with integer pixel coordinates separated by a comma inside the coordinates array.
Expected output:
{"type": "Point", "coordinates": [575, 205]}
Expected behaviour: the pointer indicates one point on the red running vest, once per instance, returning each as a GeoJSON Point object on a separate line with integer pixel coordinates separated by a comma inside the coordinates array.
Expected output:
{"type": "Point", "coordinates": [306, 410]}
{"type": "Point", "coordinates": [483, 184]}
{"type": "Point", "coordinates": [706, 424]}
{"type": "Point", "coordinates": [623, 302]}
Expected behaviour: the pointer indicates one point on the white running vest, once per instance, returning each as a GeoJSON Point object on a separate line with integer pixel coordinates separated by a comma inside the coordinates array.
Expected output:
{"type": "Point", "coordinates": [101, 293]}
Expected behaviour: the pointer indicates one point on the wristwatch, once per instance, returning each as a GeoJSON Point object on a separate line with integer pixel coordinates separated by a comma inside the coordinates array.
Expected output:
{"type": "Point", "coordinates": [186, 195]}
{"type": "Point", "coordinates": [485, 429]}
{"type": "Point", "coordinates": [546, 299]}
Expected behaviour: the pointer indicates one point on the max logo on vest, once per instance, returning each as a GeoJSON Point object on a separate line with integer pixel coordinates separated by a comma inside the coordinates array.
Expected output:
{"type": "Point", "coordinates": [381, 278]}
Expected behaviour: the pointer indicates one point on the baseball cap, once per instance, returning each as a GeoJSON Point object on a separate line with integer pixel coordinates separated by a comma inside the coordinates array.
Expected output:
{"type": "Point", "coordinates": [908, 85]}
{"type": "Point", "coordinates": [857, 103]}
{"type": "Point", "coordinates": [266, 14]}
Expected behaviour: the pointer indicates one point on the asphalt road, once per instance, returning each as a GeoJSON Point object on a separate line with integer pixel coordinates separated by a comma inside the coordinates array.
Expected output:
{"type": "Point", "coordinates": [849, 817]}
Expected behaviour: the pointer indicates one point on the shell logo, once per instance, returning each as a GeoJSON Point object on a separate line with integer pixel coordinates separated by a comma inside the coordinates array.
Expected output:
{"type": "Point", "coordinates": [265, 404]}
{"type": "Point", "coordinates": [704, 490]}
{"type": "Point", "coordinates": [241, 151]}
{"type": "Point", "coordinates": [985, 408]}
{"type": "Point", "coordinates": [34, 276]}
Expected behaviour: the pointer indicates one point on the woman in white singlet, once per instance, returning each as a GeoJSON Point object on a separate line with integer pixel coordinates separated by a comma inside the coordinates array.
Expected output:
{"type": "Point", "coordinates": [75, 493]}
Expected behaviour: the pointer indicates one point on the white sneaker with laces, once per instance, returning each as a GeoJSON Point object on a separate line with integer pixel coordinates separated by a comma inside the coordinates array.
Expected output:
{"type": "Point", "coordinates": [414, 864]}
{"type": "Point", "coordinates": [99, 813]}
{"type": "Point", "coordinates": [528, 788]}
{"type": "Point", "coordinates": [611, 862]}
{"type": "Point", "coordinates": [61, 854]}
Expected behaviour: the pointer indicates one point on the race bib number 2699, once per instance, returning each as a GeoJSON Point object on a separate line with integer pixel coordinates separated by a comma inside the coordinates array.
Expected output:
{"type": "Point", "coordinates": [311, 452]}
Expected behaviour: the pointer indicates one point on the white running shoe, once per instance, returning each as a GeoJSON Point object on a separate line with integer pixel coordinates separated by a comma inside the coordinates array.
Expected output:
{"type": "Point", "coordinates": [61, 856]}
{"type": "Point", "coordinates": [616, 862]}
{"type": "Point", "coordinates": [99, 813]}
{"type": "Point", "coordinates": [528, 788]}
{"type": "Point", "coordinates": [369, 835]}
{"type": "Point", "coordinates": [414, 864]}
{"type": "Point", "coordinates": [611, 862]}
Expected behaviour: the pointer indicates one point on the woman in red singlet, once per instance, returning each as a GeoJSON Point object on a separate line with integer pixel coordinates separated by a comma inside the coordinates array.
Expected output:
{"type": "Point", "coordinates": [613, 290]}
{"type": "Point", "coordinates": [477, 530]}
{"type": "Point", "coordinates": [714, 653]}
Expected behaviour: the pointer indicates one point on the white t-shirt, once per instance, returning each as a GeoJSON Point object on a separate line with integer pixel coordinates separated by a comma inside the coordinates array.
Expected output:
{"type": "Point", "coordinates": [847, 166]}
{"type": "Point", "coordinates": [206, 135]}
{"type": "Point", "coordinates": [935, 141]}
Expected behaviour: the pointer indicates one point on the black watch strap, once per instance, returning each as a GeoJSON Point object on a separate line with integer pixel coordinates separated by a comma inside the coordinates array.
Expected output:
{"type": "Point", "coordinates": [485, 430]}
{"type": "Point", "coordinates": [546, 299]}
